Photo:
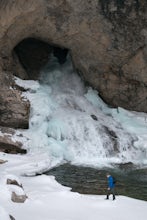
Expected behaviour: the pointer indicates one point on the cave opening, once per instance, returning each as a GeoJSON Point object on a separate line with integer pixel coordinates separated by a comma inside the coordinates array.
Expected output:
{"type": "Point", "coordinates": [33, 54]}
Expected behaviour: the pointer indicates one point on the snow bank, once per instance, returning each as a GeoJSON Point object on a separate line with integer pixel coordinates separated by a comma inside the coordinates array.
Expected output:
{"type": "Point", "coordinates": [48, 200]}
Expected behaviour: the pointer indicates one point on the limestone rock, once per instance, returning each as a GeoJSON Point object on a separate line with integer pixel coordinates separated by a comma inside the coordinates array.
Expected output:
{"type": "Point", "coordinates": [3, 161]}
{"type": "Point", "coordinates": [13, 182]}
{"type": "Point", "coordinates": [14, 111]}
{"type": "Point", "coordinates": [107, 41]}
{"type": "Point", "coordinates": [18, 198]}
{"type": "Point", "coordinates": [18, 194]}
{"type": "Point", "coordinates": [11, 217]}
{"type": "Point", "coordinates": [7, 145]}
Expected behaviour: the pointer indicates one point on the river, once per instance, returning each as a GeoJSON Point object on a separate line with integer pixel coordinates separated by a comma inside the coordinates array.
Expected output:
{"type": "Point", "coordinates": [131, 182]}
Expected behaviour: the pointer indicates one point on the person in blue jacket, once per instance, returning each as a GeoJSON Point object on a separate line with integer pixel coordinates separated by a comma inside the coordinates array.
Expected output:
{"type": "Point", "coordinates": [111, 186]}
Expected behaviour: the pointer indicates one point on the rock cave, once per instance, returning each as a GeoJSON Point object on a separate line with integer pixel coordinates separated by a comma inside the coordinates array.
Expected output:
{"type": "Point", "coordinates": [107, 43]}
{"type": "Point", "coordinates": [33, 54]}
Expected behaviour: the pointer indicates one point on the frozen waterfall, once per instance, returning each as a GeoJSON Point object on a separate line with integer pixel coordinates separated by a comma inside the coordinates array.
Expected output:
{"type": "Point", "coordinates": [69, 122]}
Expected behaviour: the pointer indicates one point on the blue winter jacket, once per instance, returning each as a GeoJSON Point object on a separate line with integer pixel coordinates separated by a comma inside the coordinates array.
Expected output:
{"type": "Point", "coordinates": [110, 182]}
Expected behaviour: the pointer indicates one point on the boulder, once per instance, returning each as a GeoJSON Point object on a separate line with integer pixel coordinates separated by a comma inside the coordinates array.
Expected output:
{"type": "Point", "coordinates": [17, 194]}
{"type": "Point", "coordinates": [14, 111]}
{"type": "Point", "coordinates": [3, 161]}
{"type": "Point", "coordinates": [11, 217]}
{"type": "Point", "coordinates": [13, 182]}
{"type": "Point", "coordinates": [18, 198]}
{"type": "Point", "coordinates": [7, 145]}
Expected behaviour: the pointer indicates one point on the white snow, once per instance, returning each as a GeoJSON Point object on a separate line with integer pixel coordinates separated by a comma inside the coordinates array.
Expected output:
{"type": "Point", "coordinates": [48, 200]}
{"type": "Point", "coordinates": [1, 134]}
{"type": "Point", "coordinates": [61, 129]}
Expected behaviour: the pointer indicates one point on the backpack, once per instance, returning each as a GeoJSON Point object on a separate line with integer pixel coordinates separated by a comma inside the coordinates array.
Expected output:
{"type": "Point", "coordinates": [114, 180]}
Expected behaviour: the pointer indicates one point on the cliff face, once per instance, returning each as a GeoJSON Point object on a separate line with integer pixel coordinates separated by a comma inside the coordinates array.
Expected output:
{"type": "Point", "coordinates": [107, 40]}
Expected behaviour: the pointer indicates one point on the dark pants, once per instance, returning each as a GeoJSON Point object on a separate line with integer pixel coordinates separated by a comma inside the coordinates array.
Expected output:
{"type": "Point", "coordinates": [111, 191]}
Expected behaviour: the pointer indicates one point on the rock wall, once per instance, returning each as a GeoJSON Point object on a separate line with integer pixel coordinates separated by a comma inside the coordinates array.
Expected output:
{"type": "Point", "coordinates": [107, 40]}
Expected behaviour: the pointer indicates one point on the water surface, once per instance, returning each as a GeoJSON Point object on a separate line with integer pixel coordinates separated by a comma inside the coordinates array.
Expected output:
{"type": "Point", "coordinates": [86, 180]}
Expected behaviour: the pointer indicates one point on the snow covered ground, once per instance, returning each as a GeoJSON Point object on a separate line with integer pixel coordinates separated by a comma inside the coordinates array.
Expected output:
{"type": "Point", "coordinates": [61, 129]}
{"type": "Point", "coordinates": [48, 200]}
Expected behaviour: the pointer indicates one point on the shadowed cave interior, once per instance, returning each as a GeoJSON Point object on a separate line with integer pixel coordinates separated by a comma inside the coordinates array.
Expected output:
{"type": "Point", "coordinates": [33, 54]}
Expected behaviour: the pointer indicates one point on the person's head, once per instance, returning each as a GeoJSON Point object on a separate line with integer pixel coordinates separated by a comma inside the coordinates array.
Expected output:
{"type": "Point", "coordinates": [107, 175]}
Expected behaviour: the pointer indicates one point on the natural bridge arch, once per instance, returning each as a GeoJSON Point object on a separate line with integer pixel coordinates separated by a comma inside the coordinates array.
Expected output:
{"type": "Point", "coordinates": [107, 42]}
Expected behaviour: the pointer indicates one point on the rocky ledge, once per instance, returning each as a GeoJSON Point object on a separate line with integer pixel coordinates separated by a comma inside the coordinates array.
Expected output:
{"type": "Point", "coordinates": [7, 144]}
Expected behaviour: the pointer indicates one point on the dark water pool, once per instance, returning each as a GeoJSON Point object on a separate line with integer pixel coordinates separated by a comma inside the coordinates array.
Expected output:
{"type": "Point", "coordinates": [86, 180]}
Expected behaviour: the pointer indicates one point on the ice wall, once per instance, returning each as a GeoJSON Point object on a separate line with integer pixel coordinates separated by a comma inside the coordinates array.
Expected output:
{"type": "Point", "coordinates": [70, 122]}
